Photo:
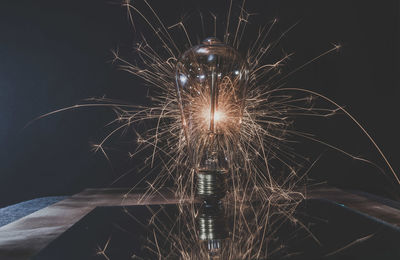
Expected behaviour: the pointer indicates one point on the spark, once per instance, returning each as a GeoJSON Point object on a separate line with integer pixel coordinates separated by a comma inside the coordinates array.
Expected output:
{"type": "Point", "coordinates": [351, 244]}
{"type": "Point", "coordinates": [102, 251]}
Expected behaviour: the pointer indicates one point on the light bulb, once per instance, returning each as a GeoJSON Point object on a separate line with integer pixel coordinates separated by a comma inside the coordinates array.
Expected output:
{"type": "Point", "coordinates": [211, 87]}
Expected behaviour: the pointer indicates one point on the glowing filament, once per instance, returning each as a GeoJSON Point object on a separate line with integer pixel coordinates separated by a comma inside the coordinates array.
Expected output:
{"type": "Point", "coordinates": [219, 117]}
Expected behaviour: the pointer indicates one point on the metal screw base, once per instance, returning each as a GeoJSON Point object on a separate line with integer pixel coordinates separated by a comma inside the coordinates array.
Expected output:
{"type": "Point", "coordinates": [211, 185]}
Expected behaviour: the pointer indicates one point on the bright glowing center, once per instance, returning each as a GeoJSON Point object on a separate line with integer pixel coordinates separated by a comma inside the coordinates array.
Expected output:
{"type": "Point", "coordinates": [219, 116]}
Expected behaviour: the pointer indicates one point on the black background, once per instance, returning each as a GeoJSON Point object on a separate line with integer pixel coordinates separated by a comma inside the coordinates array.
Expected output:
{"type": "Point", "coordinates": [55, 53]}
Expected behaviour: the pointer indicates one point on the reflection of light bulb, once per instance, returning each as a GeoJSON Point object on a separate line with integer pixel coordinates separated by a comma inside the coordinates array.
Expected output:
{"type": "Point", "coordinates": [211, 87]}
{"type": "Point", "coordinates": [212, 228]}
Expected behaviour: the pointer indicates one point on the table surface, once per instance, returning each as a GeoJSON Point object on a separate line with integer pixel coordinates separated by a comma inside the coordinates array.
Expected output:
{"type": "Point", "coordinates": [27, 236]}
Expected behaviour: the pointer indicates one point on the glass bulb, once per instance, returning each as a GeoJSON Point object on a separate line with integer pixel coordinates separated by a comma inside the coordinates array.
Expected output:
{"type": "Point", "coordinates": [211, 86]}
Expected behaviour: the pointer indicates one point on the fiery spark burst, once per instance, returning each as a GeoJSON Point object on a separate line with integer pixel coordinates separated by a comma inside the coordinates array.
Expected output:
{"type": "Point", "coordinates": [257, 137]}
{"type": "Point", "coordinates": [264, 127]}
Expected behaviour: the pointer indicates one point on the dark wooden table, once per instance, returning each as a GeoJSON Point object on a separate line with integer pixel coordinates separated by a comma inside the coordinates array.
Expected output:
{"type": "Point", "coordinates": [27, 236]}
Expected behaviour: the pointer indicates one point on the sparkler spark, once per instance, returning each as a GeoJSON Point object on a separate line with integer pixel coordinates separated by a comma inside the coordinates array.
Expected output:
{"type": "Point", "coordinates": [257, 138]}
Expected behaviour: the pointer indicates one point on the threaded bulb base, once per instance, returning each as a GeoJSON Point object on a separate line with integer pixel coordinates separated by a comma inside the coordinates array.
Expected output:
{"type": "Point", "coordinates": [211, 185]}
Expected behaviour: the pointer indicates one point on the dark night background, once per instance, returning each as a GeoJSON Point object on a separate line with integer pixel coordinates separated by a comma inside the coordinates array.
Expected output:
{"type": "Point", "coordinates": [55, 53]}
